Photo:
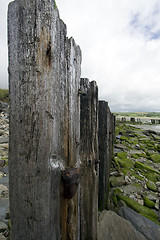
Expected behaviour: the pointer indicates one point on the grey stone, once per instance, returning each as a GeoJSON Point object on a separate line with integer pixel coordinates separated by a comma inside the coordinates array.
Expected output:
{"type": "Point", "coordinates": [118, 136]}
{"type": "Point", "coordinates": [113, 227]}
{"type": "Point", "coordinates": [120, 146]}
{"type": "Point", "coordinates": [151, 185]}
{"type": "Point", "coordinates": [2, 163]}
{"type": "Point", "coordinates": [1, 175]}
{"type": "Point", "coordinates": [117, 181]}
{"type": "Point", "coordinates": [5, 169]}
{"type": "Point", "coordinates": [3, 105]}
{"type": "Point", "coordinates": [132, 188]}
{"type": "Point", "coordinates": [152, 197]}
{"type": "Point", "coordinates": [5, 181]}
{"type": "Point", "coordinates": [3, 227]}
{"type": "Point", "coordinates": [3, 212]}
{"type": "Point", "coordinates": [148, 228]}
{"type": "Point", "coordinates": [2, 237]}
{"type": "Point", "coordinates": [3, 188]}
{"type": "Point", "coordinates": [4, 140]}
{"type": "Point", "coordinates": [158, 184]}
{"type": "Point", "coordinates": [133, 151]}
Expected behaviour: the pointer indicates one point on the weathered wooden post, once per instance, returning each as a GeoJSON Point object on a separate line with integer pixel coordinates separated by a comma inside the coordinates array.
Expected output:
{"type": "Point", "coordinates": [105, 140]}
{"type": "Point", "coordinates": [89, 159]}
{"type": "Point", "coordinates": [44, 74]}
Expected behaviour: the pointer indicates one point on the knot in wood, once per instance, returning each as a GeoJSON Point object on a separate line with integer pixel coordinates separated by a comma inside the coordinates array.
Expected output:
{"type": "Point", "coordinates": [70, 178]}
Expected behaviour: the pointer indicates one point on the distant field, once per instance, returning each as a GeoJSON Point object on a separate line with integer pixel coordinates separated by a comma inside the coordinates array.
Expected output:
{"type": "Point", "coordinates": [138, 114]}
{"type": "Point", "coordinates": [4, 95]}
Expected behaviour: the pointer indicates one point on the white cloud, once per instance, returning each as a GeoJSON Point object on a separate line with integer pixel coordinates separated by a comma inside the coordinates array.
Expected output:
{"type": "Point", "coordinates": [120, 43]}
{"type": "Point", "coordinates": [121, 57]}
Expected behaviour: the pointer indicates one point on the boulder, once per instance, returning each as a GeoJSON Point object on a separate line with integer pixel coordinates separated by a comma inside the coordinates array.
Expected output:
{"type": "Point", "coordinates": [117, 181]}
{"type": "Point", "coordinates": [148, 203]}
{"type": "Point", "coordinates": [151, 185]}
{"type": "Point", "coordinates": [113, 227]}
{"type": "Point", "coordinates": [143, 225]}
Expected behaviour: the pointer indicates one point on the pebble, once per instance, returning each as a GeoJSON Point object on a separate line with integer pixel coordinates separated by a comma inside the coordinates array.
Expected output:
{"type": "Point", "coordinates": [3, 188]}
{"type": "Point", "coordinates": [114, 174]}
{"type": "Point", "coordinates": [127, 180]}
{"type": "Point", "coordinates": [3, 226]}
{"type": "Point", "coordinates": [132, 196]}
{"type": "Point", "coordinates": [133, 178]}
{"type": "Point", "coordinates": [1, 174]}
{"type": "Point", "coordinates": [2, 237]}
{"type": "Point", "coordinates": [140, 201]}
{"type": "Point", "coordinates": [158, 184]}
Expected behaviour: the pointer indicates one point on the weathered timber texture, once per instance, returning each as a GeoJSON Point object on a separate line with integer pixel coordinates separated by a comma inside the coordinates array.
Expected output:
{"type": "Point", "coordinates": [105, 141]}
{"type": "Point", "coordinates": [89, 159]}
{"type": "Point", "coordinates": [44, 73]}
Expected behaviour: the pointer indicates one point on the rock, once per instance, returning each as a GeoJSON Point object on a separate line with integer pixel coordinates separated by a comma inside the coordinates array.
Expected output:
{"type": "Point", "coordinates": [155, 158]}
{"type": "Point", "coordinates": [116, 150]}
{"type": "Point", "coordinates": [133, 178]}
{"type": "Point", "coordinates": [2, 237]}
{"type": "Point", "coordinates": [117, 181]}
{"type": "Point", "coordinates": [3, 106]}
{"type": "Point", "coordinates": [4, 139]}
{"type": "Point", "coordinates": [148, 203]}
{"type": "Point", "coordinates": [120, 146]}
{"type": "Point", "coordinates": [132, 196]}
{"type": "Point", "coordinates": [3, 213]}
{"type": "Point", "coordinates": [148, 228]}
{"type": "Point", "coordinates": [151, 185]}
{"type": "Point", "coordinates": [158, 184]}
{"type": "Point", "coordinates": [113, 227]}
{"type": "Point", "coordinates": [127, 180]}
{"type": "Point", "coordinates": [152, 197]}
{"type": "Point", "coordinates": [137, 146]}
{"type": "Point", "coordinates": [145, 167]}
{"type": "Point", "coordinates": [5, 170]}
{"type": "Point", "coordinates": [3, 188]}
{"type": "Point", "coordinates": [1, 174]}
{"type": "Point", "coordinates": [114, 174]}
{"type": "Point", "coordinates": [118, 137]}
{"type": "Point", "coordinates": [157, 206]}
{"type": "Point", "coordinates": [2, 163]}
{"type": "Point", "coordinates": [3, 226]}
{"type": "Point", "coordinates": [133, 151]}
{"type": "Point", "coordinates": [140, 201]}
{"type": "Point", "coordinates": [5, 181]}
{"type": "Point", "coordinates": [132, 188]}
{"type": "Point", "coordinates": [145, 211]}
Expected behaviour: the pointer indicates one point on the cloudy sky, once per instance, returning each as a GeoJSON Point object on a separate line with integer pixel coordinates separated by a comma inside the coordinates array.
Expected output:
{"type": "Point", "coordinates": [120, 43]}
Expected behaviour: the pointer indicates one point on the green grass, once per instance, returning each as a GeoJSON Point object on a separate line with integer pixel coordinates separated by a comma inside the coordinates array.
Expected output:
{"type": "Point", "coordinates": [55, 5]}
{"type": "Point", "coordinates": [138, 114]}
{"type": "Point", "coordinates": [4, 95]}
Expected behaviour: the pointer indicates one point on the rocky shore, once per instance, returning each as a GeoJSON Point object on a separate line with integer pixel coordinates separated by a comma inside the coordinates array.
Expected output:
{"type": "Point", "coordinates": [135, 177]}
{"type": "Point", "coordinates": [134, 185]}
{"type": "Point", "coordinates": [4, 183]}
